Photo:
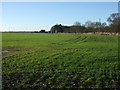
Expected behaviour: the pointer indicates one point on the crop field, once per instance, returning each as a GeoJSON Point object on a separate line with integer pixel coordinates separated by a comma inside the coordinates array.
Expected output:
{"type": "Point", "coordinates": [49, 60]}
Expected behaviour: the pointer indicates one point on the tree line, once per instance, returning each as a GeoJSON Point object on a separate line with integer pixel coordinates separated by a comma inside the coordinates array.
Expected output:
{"type": "Point", "coordinates": [89, 26]}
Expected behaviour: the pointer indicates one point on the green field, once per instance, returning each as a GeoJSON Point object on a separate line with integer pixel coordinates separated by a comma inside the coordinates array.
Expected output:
{"type": "Point", "coordinates": [39, 60]}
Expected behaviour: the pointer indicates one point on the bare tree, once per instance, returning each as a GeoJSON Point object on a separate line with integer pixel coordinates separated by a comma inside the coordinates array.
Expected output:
{"type": "Point", "coordinates": [77, 23]}
{"type": "Point", "coordinates": [114, 18]}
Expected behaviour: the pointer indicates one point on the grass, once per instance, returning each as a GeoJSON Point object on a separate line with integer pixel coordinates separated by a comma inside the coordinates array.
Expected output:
{"type": "Point", "coordinates": [38, 60]}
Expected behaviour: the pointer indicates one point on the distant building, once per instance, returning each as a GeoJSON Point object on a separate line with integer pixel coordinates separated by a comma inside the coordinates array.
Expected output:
{"type": "Point", "coordinates": [42, 31]}
{"type": "Point", "coordinates": [49, 32]}
{"type": "Point", "coordinates": [56, 31]}
{"type": "Point", "coordinates": [67, 29]}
